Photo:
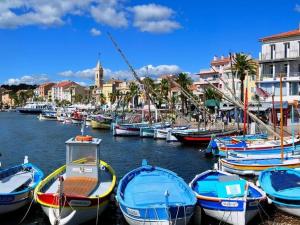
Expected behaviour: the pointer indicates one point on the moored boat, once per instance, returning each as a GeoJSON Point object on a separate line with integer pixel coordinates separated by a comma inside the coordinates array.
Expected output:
{"type": "Point", "coordinates": [202, 136]}
{"type": "Point", "coordinates": [128, 129]}
{"type": "Point", "coordinates": [101, 122]}
{"type": "Point", "coordinates": [166, 133]}
{"type": "Point", "coordinates": [282, 187]}
{"type": "Point", "coordinates": [149, 131]}
{"type": "Point", "coordinates": [153, 195]}
{"type": "Point", "coordinates": [35, 108]}
{"type": "Point", "coordinates": [80, 190]}
{"type": "Point", "coordinates": [246, 166]}
{"type": "Point", "coordinates": [17, 184]}
{"type": "Point", "coordinates": [48, 115]}
{"type": "Point", "coordinates": [227, 197]}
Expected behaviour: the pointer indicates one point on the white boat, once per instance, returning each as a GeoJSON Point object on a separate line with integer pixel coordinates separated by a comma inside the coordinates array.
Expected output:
{"type": "Point", "coordinates": [48, 115]}
{"type": "Point", "coordinates": [80, 190]}
{"type": "Point", "coordinates": [132, 129]}
{"type": "Point", "coordinates": [166, 133]}
{"type": "Point", "coordinates": [36, 107]}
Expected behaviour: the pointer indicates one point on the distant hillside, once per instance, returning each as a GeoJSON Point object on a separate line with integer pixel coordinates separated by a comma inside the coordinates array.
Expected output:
{"type": "Point", "coordinates": [18, 87]}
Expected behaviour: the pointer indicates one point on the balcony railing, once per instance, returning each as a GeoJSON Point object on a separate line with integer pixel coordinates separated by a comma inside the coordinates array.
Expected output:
{"type": "Point", "coordinates": [294, 74]}
{"type": "Point", "coordinates": [270, 76]}
{"type": "Point", "coordinates": [280, 55]}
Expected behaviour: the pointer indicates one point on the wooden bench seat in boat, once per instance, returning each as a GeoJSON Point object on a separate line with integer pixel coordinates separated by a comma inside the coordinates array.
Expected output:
{"type": "Point", "coordinates": [13, 182]}
{"type": "Point", "coordinates": [81, 186]}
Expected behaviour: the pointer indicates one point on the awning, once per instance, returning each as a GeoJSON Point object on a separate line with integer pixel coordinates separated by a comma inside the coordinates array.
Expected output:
{"type": "Point", "coordinates": [212, 103]}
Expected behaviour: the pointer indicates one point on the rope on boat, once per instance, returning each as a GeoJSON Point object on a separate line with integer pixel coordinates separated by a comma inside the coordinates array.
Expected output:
{"type": "Point", "coordinates": [97, 210]}
{"type": "Point", "coordinates": [146, 216]}
{"type": "Point", "coordinates": [156, 214]}
{"type": "Point", "coordinates": [22, 220]}
{"type": "Point", "coordinates": [184, 215]}
{"type": "Point", "coordinates": [176, 215]}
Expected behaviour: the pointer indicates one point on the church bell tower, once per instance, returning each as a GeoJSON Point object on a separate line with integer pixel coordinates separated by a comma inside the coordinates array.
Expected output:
{"type": "Point", "coordinates": [99, 76]}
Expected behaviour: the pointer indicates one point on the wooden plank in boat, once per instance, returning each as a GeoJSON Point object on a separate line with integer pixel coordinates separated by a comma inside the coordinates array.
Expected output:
{"type": "Point", "coordinates": [82, 186]}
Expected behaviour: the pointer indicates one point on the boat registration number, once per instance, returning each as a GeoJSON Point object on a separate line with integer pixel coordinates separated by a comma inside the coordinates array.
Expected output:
{"type": "Point", "coordinates": [80, 203]}
{"type": "Point", "coordinates": [230, 204]}
{"type": "Point", "coordinates": [133, 212]}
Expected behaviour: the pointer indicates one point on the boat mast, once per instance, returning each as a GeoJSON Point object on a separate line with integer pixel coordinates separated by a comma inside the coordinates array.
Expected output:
{"type": "Point", "coordinates": [245, 106]}
{"type": "Point", "coordinates": [281, 119]}
{"type": "Point", "coordinates": [236, 118]}
{"type": "Point", "coordinates": [273, 115]}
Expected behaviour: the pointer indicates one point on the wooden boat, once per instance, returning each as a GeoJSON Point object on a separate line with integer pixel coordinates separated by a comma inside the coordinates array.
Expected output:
{"type": "Point", "coordinates": [156, 196]}
{"type": "Point", "coordinates": [282, 187]}
{"type": "Point", "coordinates": [80, 190]}
{"type": "Point", "coordinates": [101, 122]}
{"type": "Point", "coordinates": [77, 118]}
{"type": "Point", "coordinates": [131, 129]}
{"type": "Point", "coordinates": [227, 197]}
{"type": "Point", "coordinates": [255, 166]}
{"type": "Point", "coordinates": [202, 137]}
{"type": "Point", "coordinates": [17, 184]}
{"type": "Point", "coordinates": [166, 133]}
{"type": "Point", "coordinates": [254, 147]}
{"type": "Point", "coordinates": [149, 131]}
{"type": "Point", "coordinates": [48, 115]}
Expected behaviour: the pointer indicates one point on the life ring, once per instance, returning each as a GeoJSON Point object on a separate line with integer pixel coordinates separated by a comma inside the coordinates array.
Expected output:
{"type": "Point", "coordinates": [84, 138]}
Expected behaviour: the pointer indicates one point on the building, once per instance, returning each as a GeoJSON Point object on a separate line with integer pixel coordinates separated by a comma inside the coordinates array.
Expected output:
{"type": "Point", "coordinates": [6, 99]}
{"type": "Point", "coordinates": [221, 68]}
{"type": "Point", "coordinates": [68, 91]}
{"type": "Point", "coordinates": [43, 89]}
{"type": "Point", "coordinates": [99, 81]}
{"type": "Point", "coordinates": [110, 87]}
{"type": "Point", "coordinates": [280, 54]}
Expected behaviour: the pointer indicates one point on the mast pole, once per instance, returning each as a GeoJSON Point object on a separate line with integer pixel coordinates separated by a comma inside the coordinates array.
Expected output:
{"type": "Point", "coordinates": [273, 115]}
{"type": "Point", "coordinates": [281, 119]}
{"type": "Point", "coordinates": [245, 106]}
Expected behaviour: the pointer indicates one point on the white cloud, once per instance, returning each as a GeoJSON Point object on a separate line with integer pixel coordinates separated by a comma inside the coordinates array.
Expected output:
{"type": "Point", "coordinates": [109, 15]}
{"type": "Point", "coordinates": [95, 32]}
{"type": "Point", "coordinates": [151, 18]}
{"type": "Point", "coordinates": [28, 79]}
{"type": "Point", "coordinates": [154, 18]}
{"type": "Point", "coordinates": [152, 71]}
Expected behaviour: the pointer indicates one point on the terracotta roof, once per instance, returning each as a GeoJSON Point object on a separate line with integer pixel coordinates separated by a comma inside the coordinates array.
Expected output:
{"type": "Point", "coordinates": [46, 84]}
{"type": "Point", "coordinates": [220, 61]}
{"type": "Point", "coordinates": [281, 35]}
{"type": "Point", "coordinates": [207, 72]}
{"type": "Point", "coordinates": [65, 84]}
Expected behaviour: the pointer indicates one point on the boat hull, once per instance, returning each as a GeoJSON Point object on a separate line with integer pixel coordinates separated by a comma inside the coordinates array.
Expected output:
{"type": "Point", "coordinates": [30, 111]}
{"type": "Point", "coordinates": [74, 216]}
{"type": "Point", "coordinates": [292, 210]}
{"type": "Point", "coordinates": [12, 203]}
{"type": "Point", "coordinates": [100, 125]}
{"type": "Point", "coordinates": [118, 131]}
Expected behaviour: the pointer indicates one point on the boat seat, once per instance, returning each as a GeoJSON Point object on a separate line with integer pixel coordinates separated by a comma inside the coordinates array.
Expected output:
{"type": "Point", "coordinates": [80, 186]}
{"type": "Point", "coordinates": [13, 182]}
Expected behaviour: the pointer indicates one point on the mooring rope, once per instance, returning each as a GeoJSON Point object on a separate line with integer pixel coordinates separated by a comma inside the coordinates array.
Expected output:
{"type": "Point", "coordinates": [26, 212]}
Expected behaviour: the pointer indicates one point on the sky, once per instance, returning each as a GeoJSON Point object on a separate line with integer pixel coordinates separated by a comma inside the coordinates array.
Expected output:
{"type": "Point", "coordinates": [42, 40]}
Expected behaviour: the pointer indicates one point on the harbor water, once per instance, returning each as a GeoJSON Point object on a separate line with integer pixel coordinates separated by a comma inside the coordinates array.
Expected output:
{"type": "Point", "coordinates": [44, 144]}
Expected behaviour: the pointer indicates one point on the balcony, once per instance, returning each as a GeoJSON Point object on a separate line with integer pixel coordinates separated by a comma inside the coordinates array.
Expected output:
{"type": "Point", "coordinates": [277, 55]}
{"type": "Point", "coordinates": [268, 77]}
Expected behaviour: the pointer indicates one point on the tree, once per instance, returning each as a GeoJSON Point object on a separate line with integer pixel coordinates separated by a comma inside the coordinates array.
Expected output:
{"type": "Point", "coordinates": [134, 92]}
{"type": "Point", "coordinates": [102, 99]}
{"type": "Point", "coordinates": [184, 81]}
{"type": "Point", "coordinates": [212, 94]}
{"type": "Point", "coordinates": [149, 85]}
{"type": "Point", "coordinates": [78, 98]}
{"type": "Point", "coordinates": [163, 89]}
{"type": "Point", "coordinates": [241, 64]}
{"type": "Point", "coordinates": [257, 99]}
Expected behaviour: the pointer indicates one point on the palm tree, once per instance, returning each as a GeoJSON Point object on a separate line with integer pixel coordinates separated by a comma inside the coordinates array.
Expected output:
{"type": "Point", "coordinates": [149, 85]}
{"type": "Point", "coordinates": [102, 98]}
{"type": "Point", "coordinates": [257, 99]}
{"type": "Point", "coordinates": [164, 89]}
{"type": "Point", "coordinates": [212, 94]}
{"type": "Point", "coordinates": [184, 81]}
{"type": "Point", "coordinates": [134, 92]}
{"type": "Point", "coordinates": [242, 63]}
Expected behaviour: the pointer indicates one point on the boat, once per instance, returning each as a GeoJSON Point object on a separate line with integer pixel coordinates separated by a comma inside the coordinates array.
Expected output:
{"type": "Point", "coordinates": [244, 166]}
{"type": "Point", "coordinates": [17, 184]}
{"type": "Point", "coordinates": [166, 133]}
{"type": "Point", "coordinates": [80, 190]}
{"type": "Point", "coordinates": [149, 131]}
{"type": "Point", "coordinates": [282, 187]}
{"type": "Point", "coordinates": [35, 108]}
{"type": "Point", "coordinates": [77, 117]}
{"type": "Point", "coordinates": [101, 122]}
{"type": "Point", "coordinates": [202, 137]}
{"type": "Point", "coordinates": [130, 129]}
{"type": "Point", "coordinates": [256, 146]}
{"type": "Point", "coordinates": [153, 195]}
{"type": "Point", "coordinates": [227, 197]}
{"type": "Point", "coordinates": [48, 115]}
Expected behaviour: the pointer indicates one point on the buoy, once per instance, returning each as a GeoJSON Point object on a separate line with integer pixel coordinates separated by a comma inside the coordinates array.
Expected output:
{"type": "Point", "coordinates": [84, 138]}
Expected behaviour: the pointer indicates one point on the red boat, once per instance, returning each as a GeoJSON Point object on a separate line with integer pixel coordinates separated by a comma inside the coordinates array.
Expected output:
{"type": "Point", "coordinates": [203, 137]}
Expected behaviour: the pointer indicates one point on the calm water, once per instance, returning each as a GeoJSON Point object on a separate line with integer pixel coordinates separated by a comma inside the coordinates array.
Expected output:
{"type": "Point", "coordinates": [44, 143]}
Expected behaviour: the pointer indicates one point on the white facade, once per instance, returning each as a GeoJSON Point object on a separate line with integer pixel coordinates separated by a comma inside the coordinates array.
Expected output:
{"type": "Point", "coordinates": [280, 55]}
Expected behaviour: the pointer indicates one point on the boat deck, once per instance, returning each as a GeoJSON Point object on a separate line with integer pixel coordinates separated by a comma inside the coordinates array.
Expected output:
{"type": "Point", "coordinates": [85, 187]}
{"type": "Point", "coordinates": [149, 188]}
{"type": "Point", "coordinates": [11, 183]}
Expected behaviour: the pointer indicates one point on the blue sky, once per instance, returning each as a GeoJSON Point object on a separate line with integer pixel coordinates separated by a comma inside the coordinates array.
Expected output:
{"type": "Point", "coordinates": [41, 41]}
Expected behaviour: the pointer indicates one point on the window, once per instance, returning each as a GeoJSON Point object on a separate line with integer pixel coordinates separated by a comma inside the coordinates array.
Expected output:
{"type": "Point", "coordinates": [272, 51]}
{"type": "Point", "coordinates": [285, 68]}
{"type": "Point", "coordinates": [271, 69]}
{"type": "Point", "coordinates": [277, 89]}
{"type": "Point", "coordinates": [298, 68]}
{"type": "Point", "coordinates": [294, 87]}
{"type": "Point", "coordinates": [286, 47]}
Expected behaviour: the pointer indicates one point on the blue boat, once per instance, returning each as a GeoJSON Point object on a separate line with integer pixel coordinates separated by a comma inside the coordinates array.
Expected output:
{"type": "Point", "coordinates": [282, 187]}
{"type": "Point", "coordinates": [153, 195]}
{"type": "Point", "coordinates": [16, 186]}
{"type": "Point", "coordinates": [227, 197]}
